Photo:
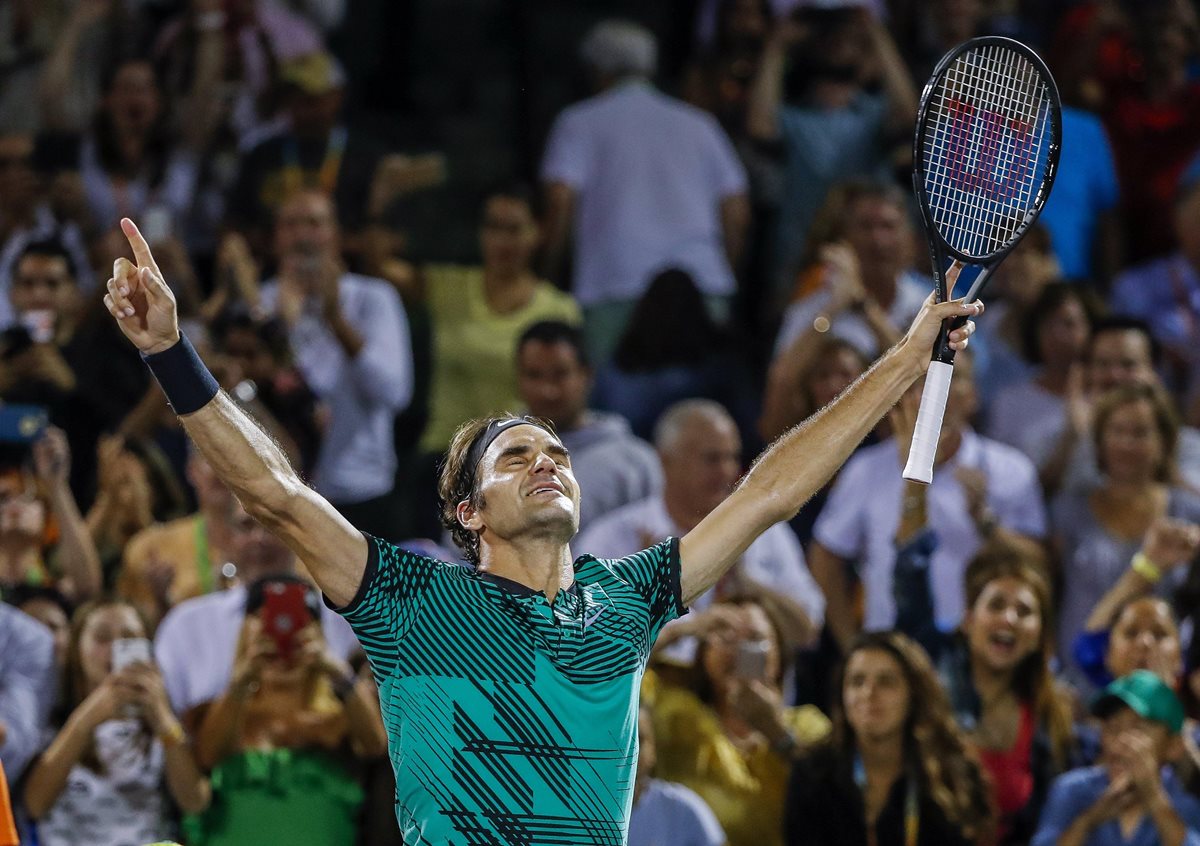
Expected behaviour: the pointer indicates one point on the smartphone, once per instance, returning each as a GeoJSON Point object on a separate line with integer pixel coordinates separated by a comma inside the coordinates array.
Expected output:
{"type": "Point", "coordinates": [284, 613]}
{"type": "Point", "coordinates": [130, 650]}
{"type": "Point", "coordinates": [750, 659]}
{"type": "Point", "coordinates": [22, 424]}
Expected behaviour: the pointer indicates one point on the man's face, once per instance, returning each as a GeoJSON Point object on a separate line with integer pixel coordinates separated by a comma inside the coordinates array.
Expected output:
{"type": "Point", "coordinates": [1118, 728]}
{"type": "Point", "coordinates": [701, 467]}
{"type": "Point", "coordinates": [254, 550]}
{"type": "Point", "coordinates": [1120, 357]}
{"type": "Point", "coordinates": [526, 489]}
{"type": "Point", "coordinates": [306, 228]}
{"type": "Point", "coordinates": [879, 232]}
{"type": "Point", "coordinates": [42, 283]}
{"type": "Point", "coordinates": [508, 234]}
{"type": "Point", "coordinates": [552, 382]}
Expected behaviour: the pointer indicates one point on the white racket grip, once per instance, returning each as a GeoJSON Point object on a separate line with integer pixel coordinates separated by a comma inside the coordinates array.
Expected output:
{"type": "Point", "coordinates": [929, 423]}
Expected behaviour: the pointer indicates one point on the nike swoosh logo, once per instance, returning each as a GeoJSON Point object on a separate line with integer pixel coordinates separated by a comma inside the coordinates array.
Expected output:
{"type": "Point", "coordinates": [592, 617]}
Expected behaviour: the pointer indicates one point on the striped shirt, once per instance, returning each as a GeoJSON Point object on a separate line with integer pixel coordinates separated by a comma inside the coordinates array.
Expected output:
{"type": "Point", "coordinates": [511, 719]}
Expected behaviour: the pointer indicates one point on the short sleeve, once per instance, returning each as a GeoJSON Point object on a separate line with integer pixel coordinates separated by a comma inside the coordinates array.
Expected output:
{"type": "Point", "coordinates": [655, 574]}
{"type": "Point", "coordinates": [839, 528]}
{"type": "Point", "coordinates": [565, 159]}
{"type": "Point", "coordinates": [388, 599]}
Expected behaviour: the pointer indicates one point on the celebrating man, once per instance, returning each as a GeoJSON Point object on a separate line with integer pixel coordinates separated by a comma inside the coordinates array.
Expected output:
{"type": "Point", "coordinates": [509, 689]}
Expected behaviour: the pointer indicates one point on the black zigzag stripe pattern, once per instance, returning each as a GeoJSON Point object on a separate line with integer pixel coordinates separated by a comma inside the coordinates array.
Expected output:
{"type": "Point", "coordinates": [512, 720]}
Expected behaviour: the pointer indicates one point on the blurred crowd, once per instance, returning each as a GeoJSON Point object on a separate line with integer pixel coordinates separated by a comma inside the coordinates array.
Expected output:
{"type": "Point", "coordinates": [700, 261]}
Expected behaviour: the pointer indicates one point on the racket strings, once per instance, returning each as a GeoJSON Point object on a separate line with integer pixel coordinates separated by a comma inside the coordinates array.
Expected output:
{"type": "Point", "coordinates": [986, 148]}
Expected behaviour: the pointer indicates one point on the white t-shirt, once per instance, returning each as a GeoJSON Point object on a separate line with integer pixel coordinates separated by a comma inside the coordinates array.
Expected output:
{"type": "Point", "coordinates": [671, 813]}
{"type": "Point", "coordinates": [861, 516]}
{"type": "Point", "coordinates": [649, 173]}
{"type": "Point", "coordinates": [197, 642]}
{"type": "Point", "coordinates": [125, 805]}
{"type": "Point", "coordinates": [911, 291]}
{"type": "Point", "coordinates": [775, 559]}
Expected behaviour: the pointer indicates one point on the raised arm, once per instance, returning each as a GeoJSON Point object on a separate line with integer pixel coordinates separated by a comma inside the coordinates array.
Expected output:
{"type": "Point", "coordinates": [798, 464]}
{"type": "Point", "coordinates": [242, 455]}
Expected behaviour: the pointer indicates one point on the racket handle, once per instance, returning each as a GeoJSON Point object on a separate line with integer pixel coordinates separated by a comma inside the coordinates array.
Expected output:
{"type": "Point", "coordinates": [929, 423]}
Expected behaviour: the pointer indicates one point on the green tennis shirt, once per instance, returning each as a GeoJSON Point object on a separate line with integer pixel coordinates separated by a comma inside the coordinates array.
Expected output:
{"type": "Point", "coordinates": [511, 719]}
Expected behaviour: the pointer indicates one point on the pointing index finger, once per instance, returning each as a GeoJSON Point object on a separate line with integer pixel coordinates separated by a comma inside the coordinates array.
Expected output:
{"type": "Point", "coordinates": [141, 250]}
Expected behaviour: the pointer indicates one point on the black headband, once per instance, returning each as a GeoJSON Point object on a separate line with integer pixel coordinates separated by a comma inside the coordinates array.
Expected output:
{"type": "Point", "coordinates": [484, 440]}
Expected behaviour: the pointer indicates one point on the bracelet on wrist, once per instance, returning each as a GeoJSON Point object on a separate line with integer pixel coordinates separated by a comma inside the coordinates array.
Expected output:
{"type": "Point", "coordinates": [1144, 567]}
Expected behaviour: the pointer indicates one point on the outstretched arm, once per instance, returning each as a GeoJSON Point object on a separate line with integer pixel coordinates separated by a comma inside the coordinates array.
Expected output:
{"type": "Point", "coordinates": [243, 456]}
{"type": "Point", "coordinates": [796, 466]}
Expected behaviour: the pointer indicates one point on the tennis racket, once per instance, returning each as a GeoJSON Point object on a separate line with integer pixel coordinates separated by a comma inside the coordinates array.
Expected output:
{"type": "Point", "coordinates": [985, 154]}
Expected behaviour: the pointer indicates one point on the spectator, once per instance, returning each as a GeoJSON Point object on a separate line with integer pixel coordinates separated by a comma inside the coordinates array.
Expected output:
{"type": "Point", "coordinates": [260, 366]}
{"type": "Point", "coordinates": [50, 608]}
{"type": "Point", "coordinates": [674, 350]}
{"type": "Point", "coordinates": [1165, 292]}
{"type": "Point", "coordinates": [823, 114]}
{"type": "Point", "coordinates": [719, 80]}
{"type": "Point", "coordinates": [26, 688]}
{"type": "Point", "coordinates": [129, 161]}
{"type": "Point", "coordinates": [896, 768]}
{"type": "Point", "coordinates": [350, 336]}
{"type": "Point", "coordinates": [197, 643]}
{"type": "Point", "coordinates": [280, 738]}
{"type": "Point", "coordinates": [1122, 352]}
{"type": "Point", "coordinates": [478, 313]}
{"type": "Point", "coordinates": [26, 218]}
{"type": "Point", "coordinates": [692, 213]}
{"type": "Point", "coordinates": [43, 539]}
{"type": "Point", "coordinates": [980, 488]}
{"type": "Point", "coordinates": [701, 456]}
{"type": "Point", "coordinates": [121, 756]}
{"type": "Point", "coordinates": [34, 353]}
{"type": "Point", "coordinates": [136, 487]}
{"type": "Point", "coordinates": [800, 383]}
{"type": "Point", "coordinates": [865, 292]}
{"type": "Point", "coordinates": [1153, 120]}
{"type": "Point", "coordinates": [319, 152]}
{"type": "Point", "coordinates": [1016, 284]}
{"type": "Point", "coordinates": [1130, 628]}
{"type": "Point", "coordinates": [554, 377]}
{"type": "Point", "coordinates": [1031, 414]}
{"type": "Point", "coordinates": [996, 670]}
{"type": "Point", "coordinates": [231, 53]}
{"type": "Point", "coordinates": [1097, 533]}
{"type": "Point", "coordinates": [728, 736]}
{"type": "Point", "coordinates": [663, 811]}
{"type": "Point", "coordinates": [1131, 793]}
{"type": "Point", "coordinates": [167, 563]}
{"type": "Point", "coordinates": [1082, 212]}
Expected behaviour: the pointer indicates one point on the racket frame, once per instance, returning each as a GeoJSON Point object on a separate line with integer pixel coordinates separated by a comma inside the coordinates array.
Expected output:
{"type": "Point", "coordinates": [927, 430]}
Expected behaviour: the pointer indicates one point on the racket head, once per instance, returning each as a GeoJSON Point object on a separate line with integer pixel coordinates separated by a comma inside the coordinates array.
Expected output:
{"type": "Point", "coordinates": [985, 151]}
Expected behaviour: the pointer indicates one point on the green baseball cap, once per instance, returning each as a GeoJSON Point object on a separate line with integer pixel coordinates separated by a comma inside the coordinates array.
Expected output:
{"type": "Point", "coordinates": [1146, 695]}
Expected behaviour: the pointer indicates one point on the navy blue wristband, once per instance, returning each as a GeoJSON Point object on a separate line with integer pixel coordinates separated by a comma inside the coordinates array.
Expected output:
{"type": "Point", "coordinates": [185, 380]}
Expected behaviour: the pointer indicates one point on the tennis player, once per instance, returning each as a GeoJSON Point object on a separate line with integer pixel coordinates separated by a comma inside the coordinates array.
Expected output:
{"type": "Point", "coordinates": [509, 688]}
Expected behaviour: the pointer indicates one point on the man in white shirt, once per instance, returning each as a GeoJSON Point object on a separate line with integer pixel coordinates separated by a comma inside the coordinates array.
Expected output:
{"type": "Point", "coordinates": [858, 525]}
{"type": "Point", "coordinates": [646, 182]}
{"type": "Point", "coordinates": [196, 643]}
{"type": "Point", "coordinates": [350, 337]}
{"type": "Point", "coordinates": [701, 454]}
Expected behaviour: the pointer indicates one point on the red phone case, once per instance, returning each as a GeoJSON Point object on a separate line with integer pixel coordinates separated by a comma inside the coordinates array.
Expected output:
{"type": "Point", "coordinates": [285, 613]}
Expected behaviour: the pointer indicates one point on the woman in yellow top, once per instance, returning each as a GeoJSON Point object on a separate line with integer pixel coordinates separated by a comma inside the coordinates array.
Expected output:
{"type": "Point", "coordinates": [478, 313]}
{"type": "Point", "coordinates": [729, 737]}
